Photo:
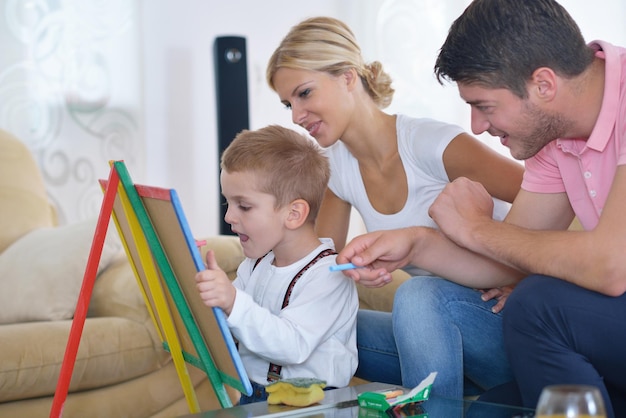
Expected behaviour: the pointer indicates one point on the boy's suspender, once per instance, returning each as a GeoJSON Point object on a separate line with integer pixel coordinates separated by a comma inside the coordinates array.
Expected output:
{"type": "Point", "coordinates": [273, 373]}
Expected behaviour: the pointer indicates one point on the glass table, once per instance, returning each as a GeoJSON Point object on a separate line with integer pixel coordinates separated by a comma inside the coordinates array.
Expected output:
{"type": "Point", "coordinates": [342, 403]}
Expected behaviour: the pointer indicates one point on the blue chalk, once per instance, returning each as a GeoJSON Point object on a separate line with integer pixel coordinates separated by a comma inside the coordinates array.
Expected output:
{"type": "Point", "coordinates": [340, 267]}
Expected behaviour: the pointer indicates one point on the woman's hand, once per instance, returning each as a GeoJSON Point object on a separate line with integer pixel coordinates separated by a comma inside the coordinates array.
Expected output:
{"type": "Point", "coordinates": [499, 293]}
{"type": "Point", "coordinates": [377, 254]}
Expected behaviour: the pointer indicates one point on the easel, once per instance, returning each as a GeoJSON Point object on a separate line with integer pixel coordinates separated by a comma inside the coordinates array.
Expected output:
{"type": "Point", "coordinates": [165, 258]}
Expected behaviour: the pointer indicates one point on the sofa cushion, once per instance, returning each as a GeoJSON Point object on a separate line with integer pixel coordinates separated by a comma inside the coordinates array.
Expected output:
{"type": "Point", "coordinates": [111, 350]}
{"type": "Point", "coordinates": [41, 274]}
{"type": "Point", "coordinates": [381, 298]}
{"type": "Point", "coordinates": [24, 204]}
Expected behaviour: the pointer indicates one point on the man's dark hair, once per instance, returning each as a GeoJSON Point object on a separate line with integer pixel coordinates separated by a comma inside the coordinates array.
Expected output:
{"type": "Point", "coordinates": [500, 43]}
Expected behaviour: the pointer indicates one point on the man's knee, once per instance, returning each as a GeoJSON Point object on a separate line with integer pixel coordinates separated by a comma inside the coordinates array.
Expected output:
{"type": "Point", "coordinates": [529, 300]}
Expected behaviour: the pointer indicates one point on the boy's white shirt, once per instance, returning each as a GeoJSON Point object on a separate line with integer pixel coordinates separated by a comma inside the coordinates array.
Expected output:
{"type": "Point", "coordinates": [314, 336]}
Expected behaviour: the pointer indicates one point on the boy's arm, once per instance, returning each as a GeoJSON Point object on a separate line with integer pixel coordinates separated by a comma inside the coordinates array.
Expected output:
{"type": "Point", "coordinates": [321, 303]}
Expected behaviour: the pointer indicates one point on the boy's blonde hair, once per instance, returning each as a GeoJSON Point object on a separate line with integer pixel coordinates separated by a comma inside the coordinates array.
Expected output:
{"type": "Point", "coordinates": [287, 165]}
{"type": "Point", "coordinates": [328, 45]}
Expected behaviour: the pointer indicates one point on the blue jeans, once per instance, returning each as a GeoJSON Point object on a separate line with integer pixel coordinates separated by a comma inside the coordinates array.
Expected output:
{"type": "Point", "coordinates": [436, 325]}
{"type": "Point", "coordinates": [557, 332]}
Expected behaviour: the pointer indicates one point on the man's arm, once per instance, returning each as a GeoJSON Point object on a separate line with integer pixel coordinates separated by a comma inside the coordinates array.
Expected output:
{"type": "Point", "coordinates": [429, 249]}
{"type": "Point", "coordinates": [592, 259]}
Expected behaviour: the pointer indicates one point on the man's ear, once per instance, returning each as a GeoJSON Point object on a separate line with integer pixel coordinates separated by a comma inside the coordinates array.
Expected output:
{"type": "Point", "coordinates": [298, 213]}
{"type": "Point", "coordinates": [544, 84]}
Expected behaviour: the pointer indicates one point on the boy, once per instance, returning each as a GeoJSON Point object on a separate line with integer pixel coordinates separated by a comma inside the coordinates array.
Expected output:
{"type": "Point", "coordinates": [293, 318]}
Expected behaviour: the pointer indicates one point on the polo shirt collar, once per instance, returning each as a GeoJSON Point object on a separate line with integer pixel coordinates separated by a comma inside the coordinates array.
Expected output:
{"type": "Point", "coordinates": [605, 123]}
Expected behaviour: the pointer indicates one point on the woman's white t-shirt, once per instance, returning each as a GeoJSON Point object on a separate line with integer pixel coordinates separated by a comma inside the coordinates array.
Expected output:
{"type": "Point", "coordinates": [421, 144]}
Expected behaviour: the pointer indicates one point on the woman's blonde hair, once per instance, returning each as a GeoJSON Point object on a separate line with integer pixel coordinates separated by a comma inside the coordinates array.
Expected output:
{"type": "Point", "coordinates": [328, 45]}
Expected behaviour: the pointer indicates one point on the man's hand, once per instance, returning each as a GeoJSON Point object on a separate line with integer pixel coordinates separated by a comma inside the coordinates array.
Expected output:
{"type": "Point", "coordinates": [460, 207]}
{"type": "Point", "coordinates": [214, 286]}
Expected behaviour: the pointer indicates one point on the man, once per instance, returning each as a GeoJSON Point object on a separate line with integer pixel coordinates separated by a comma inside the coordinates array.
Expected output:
{"type": "Point", "coordinates": [560, 105]}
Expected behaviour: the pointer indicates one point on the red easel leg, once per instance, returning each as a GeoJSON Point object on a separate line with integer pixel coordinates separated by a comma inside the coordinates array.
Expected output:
{"type": "Point", "coordinates": [71, 350]}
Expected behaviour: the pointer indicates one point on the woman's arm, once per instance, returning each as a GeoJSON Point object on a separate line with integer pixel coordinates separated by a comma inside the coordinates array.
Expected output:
{"type": "Point", "coordinates": [466, 156]}
{"type": "Point", "coordinates": [333, 220]}
{"type": "Point", "coordinates": [387, 250]}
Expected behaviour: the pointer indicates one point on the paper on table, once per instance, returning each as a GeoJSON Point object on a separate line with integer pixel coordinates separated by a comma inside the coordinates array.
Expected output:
{"type": "Point", "coordinates": [423, 390]}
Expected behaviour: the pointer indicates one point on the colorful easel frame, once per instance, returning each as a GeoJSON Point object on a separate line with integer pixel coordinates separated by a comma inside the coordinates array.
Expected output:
{"type": "Point", "coordinates": [165, 259]}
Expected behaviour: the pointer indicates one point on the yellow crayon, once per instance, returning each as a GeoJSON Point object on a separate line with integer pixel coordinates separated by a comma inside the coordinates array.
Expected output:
{"type": "Point", "coordinates": [393, 393]}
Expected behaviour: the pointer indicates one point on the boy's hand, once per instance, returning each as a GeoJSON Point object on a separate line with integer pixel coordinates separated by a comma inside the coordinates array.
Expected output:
{"type": "Point", "coordinates": [214, 286]}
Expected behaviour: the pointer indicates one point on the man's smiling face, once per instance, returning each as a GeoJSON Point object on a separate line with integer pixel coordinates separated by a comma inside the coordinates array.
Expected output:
{"type": "Point", "coordinates": [523, 126]}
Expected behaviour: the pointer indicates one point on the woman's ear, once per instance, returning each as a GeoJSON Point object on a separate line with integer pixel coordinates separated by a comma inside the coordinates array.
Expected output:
{"type": "Point", "coordinates": [298, 213]}
{"type": "Point", "coordinates": [351, 77]}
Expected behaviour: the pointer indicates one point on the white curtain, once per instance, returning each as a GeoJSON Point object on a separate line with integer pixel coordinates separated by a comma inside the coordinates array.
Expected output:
{"type": "Point", "coordinates": [405, 35]}
{"type": "Point", "coordinates": [70, 88]}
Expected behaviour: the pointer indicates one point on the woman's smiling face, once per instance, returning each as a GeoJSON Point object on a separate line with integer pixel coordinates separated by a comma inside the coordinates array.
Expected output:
{"type": "Point", "coordinates": [319, 102]}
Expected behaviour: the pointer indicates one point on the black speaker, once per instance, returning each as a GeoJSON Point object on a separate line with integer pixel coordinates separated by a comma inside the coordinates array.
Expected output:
{"type": "Point", "coordinates": [231, 86]}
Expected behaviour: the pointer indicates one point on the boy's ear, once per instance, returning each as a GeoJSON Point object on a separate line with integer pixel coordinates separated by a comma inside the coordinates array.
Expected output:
{"type": "Point", "coordinates": [298, 213]}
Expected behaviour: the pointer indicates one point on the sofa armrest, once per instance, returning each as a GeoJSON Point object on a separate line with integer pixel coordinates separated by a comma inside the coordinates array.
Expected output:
{"type": "Point", "coordinates": [229, 255]}
{"type": "Point", "coordinates": [117, 293]}
{"type": "Point", "coordinates": [228, 252]}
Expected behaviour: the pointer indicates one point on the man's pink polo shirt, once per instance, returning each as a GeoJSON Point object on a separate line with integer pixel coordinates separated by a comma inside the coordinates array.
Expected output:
{"type": "Point", "coordinates": [585, 169]}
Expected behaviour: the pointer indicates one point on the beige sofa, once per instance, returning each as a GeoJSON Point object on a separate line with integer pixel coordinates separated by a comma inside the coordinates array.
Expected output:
{"type": "Point", "coordinates": [121, 369]}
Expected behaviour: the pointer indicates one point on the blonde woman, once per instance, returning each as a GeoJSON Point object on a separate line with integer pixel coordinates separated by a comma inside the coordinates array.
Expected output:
{"type": "Point", "coordinates": [390, 168]}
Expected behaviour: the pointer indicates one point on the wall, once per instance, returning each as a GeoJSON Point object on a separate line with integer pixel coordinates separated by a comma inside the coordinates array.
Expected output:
{"type": "Point", "coordinates": [70, 89]}
{"type": "Point", "coordinates": [178, 36]}
{"type": "Point", "coordinates": [84, 81]}
{"type": "Point", "coordinates": [179, 90]}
